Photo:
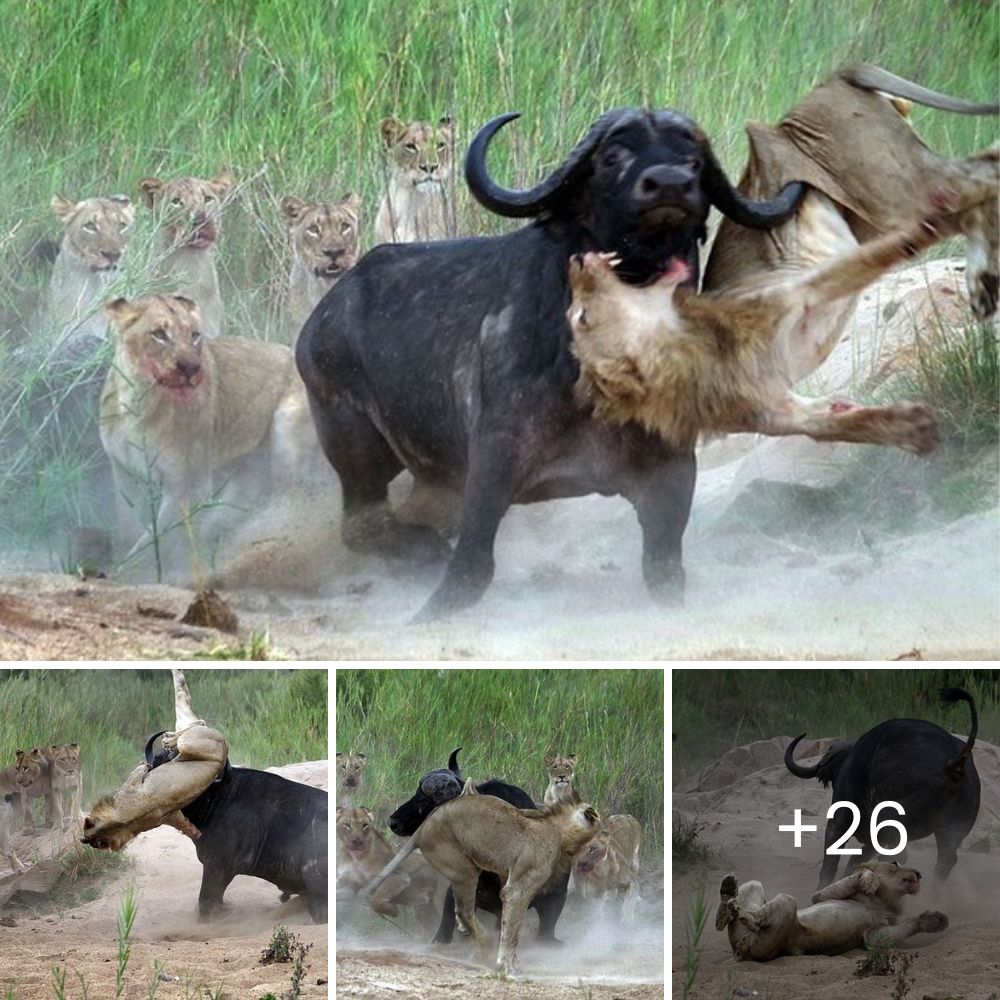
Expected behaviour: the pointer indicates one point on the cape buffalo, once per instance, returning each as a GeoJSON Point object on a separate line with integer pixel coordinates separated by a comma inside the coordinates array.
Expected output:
{"type": "Point", "coordinates": [453, 360]}
{"type": "Point", "coordinates": [929, 772]}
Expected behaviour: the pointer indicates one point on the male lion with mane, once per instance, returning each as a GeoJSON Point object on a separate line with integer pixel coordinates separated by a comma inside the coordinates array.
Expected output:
{"type": "Point", "coordinates": [856, 911]}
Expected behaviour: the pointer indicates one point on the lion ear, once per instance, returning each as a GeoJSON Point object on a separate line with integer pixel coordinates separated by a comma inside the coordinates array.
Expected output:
{"type": "Point", "coordinates": [340, 753]}
{"type": "Point", "coordinates": [363, 756]}
{"type": "Point", "coordinates": [293, 209]}
{"type": "Point", "coordinates": [63, 207]}
{"type": "Point", "coordinates": [149, 188]}
{"type": "Point", "coordinates": [223, 183]}
{"type": "Point", "coordinates": [119, 311]}
{"type": "Point", "coordinates": [352, 202]}
{"type": "Point", "coordinates": [370, 815]}
{"type": "Point", "coordinates": [391, 129]}
{"type": "Point", "coordinates": [548, 761]}
{"type": "Point", "coordinates": [572, 758]}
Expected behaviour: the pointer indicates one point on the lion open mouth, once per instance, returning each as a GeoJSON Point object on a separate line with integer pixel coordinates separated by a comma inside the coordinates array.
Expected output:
{"type": "Point", "coordinates": [203, 236]}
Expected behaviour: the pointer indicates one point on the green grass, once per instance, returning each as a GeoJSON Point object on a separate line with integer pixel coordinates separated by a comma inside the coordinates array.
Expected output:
{"type": "Point", "coordinates": [716, 710]}
{"type": "Point", "coordinates": [506, 721]}
{"type": "Point", "coordinates": [269, 717]}
{"type": "Point", "coordinates": [288, 96]}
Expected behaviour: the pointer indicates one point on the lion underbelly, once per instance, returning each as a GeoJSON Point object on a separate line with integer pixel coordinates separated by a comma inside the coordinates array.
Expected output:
{"type": "Point", "coordinates": [834, 925]}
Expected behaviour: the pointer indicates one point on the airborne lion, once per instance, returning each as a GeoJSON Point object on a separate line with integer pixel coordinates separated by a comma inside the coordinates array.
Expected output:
{"type": "Point", "coordinates": [855, 912]}
{"type": "Point", "coordinates": [324, 240]}
{"type": "Point", "coordinates": [414, 208]}
{"type": "Point", "coordinates": [188, 422]}
{"type": "Point", "coordinates": [188, 214]}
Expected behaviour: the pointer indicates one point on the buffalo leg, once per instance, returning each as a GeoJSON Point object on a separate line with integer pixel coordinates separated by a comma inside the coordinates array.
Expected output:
{"type": "Point", "coordinates": [662, 501]}
{"type": "Point", "coordinates": [214, 882]}
{"type": "Point", "coordinates": [490, 486]}
{"type": "Point", "coordinates": [366, 465]}
{"type": "Point", "coordinates": [947, 853]}
{"type": "Point", "coordinates": [549, 908]}
{"type": "Point", "coordinates": [446, 929]}
{"type": "Point", "coordinates": [316, 875]}
{"type": "Point", "coordinates": [836, 827]}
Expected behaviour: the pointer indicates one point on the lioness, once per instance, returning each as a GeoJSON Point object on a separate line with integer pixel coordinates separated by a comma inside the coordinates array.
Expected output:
{"type": "Point", "coordinates": [154, 796]}
{"type": "Point", "coordinates": [324, 240]}
{"type": "Point", "coordinates": [362, 852]}
{"type": "Point", "coordinates": [857, 911]}
{"type": "Point", "coordinates": [610, 862]}
{"type": "Point", "coordinates": [189, 421]}
{"type": "Point", "coordinates": [527, 848]}
{"type": "Point", "coordinates": [32, 775]}
{"type": "Point", "coordinates": [414, 208]}
{"type": "Point", "coordinates": [95, 236]}
{"type": "Point", "coordinates": [66, 776]}
{"type": "Point", "coordinates": [9, 805]}
{"type": "Point", "coordinates": [350, 775]}
{"type": "Point", "coordinates": [560, 785]}
{"type": "Point", "coordinates": [188, 213]}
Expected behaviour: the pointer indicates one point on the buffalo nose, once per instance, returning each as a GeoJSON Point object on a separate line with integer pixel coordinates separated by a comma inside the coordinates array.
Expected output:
{"type": "Point", "coordinates": [655, 184]}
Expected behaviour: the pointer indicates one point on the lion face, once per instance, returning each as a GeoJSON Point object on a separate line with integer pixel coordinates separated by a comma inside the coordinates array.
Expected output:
{"type": "Point", "coordinates": [349, 768]}
{"type": "Point", "coordinates": [355, 831]}
{"type": "Point", "coordinates": [888, 880]}
{"type": "Point", "coordinates": [188, 210]}
{"type": "Point", "coordinates": [28, 767]}
{"type": "Point", "coordinates": [101, 829]}
{"type": "Point", "coordinates": [593, 854]}
{"type": "Point", "coordinates": [95, 230]}
{"type": "Point", "coordinates": [561, 769]}
{"type": "Point", "coordinates": [160, 343]}
{"type": "Point", "coordinates": [65, 761]}
{"type": "Point", "coordinates": [421, 153]}
{"type": "Point", "coordinates": [324, 235]}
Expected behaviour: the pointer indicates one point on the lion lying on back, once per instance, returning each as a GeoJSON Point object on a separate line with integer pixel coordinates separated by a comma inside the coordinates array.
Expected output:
{"type": "Point", "coordinates": [188, 421]}
{"type": "Point", "coordinates": [855, 912]}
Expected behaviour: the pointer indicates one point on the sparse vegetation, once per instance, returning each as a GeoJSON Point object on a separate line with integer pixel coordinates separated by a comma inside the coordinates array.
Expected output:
{"type": "Point", "coordinates": [695, 921]}
{"type": "Point", "coordinates": [686, 847]}
{"type": "Point", "coordinates": [286, 947]}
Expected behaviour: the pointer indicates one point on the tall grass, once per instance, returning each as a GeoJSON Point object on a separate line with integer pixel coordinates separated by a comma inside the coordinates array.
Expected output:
{"type": "Point", "coordinates": [716, 710]}
{"type": "Point", "coordinates": [268, 717]}
{"type": "Point", "coordinates": [407, 722]}
{"type": "Point", "coordinates": [95, 95]}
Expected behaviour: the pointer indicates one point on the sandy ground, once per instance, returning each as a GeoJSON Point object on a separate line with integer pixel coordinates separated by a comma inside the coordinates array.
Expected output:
{"type": "Point", "coordinates": [167, 877]}
{"type": "Point", "coordinates": [601, 957]}
{"type": "Point", "coordinates": [568, 581]}
{"type": "Point", "coordinates": [742, 799]}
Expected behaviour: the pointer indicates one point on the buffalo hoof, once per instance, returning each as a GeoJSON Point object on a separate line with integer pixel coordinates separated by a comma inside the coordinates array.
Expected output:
{"type": "Point", "coordinates": [665, 583]}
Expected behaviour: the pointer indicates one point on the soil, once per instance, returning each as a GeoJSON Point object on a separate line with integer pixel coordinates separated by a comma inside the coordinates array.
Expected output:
{"type": "Point", "coordinates": [739, 801]}
{"type": "Point", "coordinates": [167, 874]}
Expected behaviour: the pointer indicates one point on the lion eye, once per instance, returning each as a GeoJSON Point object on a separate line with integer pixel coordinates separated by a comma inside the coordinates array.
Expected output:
{"type": "Point", "coordinates": [345, 227]}
{"type": "Point", "coordinates": [411, 146]}
{"type": "Point", "coordinates": [442, 145]}
{"type": "Point", "coordinates": [176, 202]}
{"type": "Point", "coordinates": [160, 336]}
{"type": "Point", "coordinates": [313, 230]}
{"type": "Point", "coordinates": [90, 226]}
{"type": "Point", "coordinates": [122, 226]}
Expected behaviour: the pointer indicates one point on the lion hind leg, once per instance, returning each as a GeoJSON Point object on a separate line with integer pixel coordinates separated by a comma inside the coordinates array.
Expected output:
{"type": "Point", "coordinates": [465, 910]}
{"type": "Point", "coordinates": [183, 712]}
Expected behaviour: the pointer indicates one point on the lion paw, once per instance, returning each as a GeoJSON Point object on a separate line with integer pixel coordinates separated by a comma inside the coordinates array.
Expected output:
{"type": "Point", "coordinates": [931, 921]}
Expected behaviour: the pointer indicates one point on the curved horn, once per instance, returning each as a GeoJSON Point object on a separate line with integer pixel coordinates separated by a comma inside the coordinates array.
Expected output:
{"type": "Point", "coordinates": [453, 763]}
{"type": "Point", "coordinates": [522, 204]}
{"type": "Point", "coordinates": [797, 769]}
{"type": "Point", "coordinates": [740, 208]}
{"type": "Point", "coordinates": [148, 751]}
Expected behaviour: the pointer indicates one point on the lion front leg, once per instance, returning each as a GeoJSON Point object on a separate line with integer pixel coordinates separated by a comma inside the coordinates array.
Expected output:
{"type": "Point", "coordinates": [929, 922]}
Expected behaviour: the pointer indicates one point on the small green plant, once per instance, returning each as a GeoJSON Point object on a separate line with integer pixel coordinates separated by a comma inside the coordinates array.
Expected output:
{"type": "Point", "coordinates": [59, 982]}
{"type": "Point", "coordinates": [901, 966]}
{"type": "Point", "coordinates": [256, 647]}
{"type": "Point", "coordinates": [879, 960]}
{"type": "Point", "coordinates": [280, 947]}
{"type": "Point", "coordinates": [694, 927]}
{"type": "Point", "coordinates": [125, 922]}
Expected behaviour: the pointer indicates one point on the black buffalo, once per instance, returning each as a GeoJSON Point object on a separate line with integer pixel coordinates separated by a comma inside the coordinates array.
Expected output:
{"type": "Point", "coordinates": [929, 772]}
{"type": "Point", "coordinates": [444, 784]}
{"type": "Point", "coordinates": [258, 823]}
{"type": "Point", "coordinates": [453, 359]}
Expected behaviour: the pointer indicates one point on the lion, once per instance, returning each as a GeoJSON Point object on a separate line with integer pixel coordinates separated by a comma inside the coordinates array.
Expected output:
{"type": "Point", "coordinates": [350, 776]}
{"type": "Point", "coordinates": [855, 912]}
{"type": "Point", "coordinates": [32, 775]}
{"type": "Point", "coordinates": [414, 207]}
{"type": "Point", "coordinates": [560, 785]}
{"type": "Point", "coordinates": [66, 778]}
{"type": "Point", "coordinates": [527, 848]}
{"type": "Point", "coordinates": [362, 852]}
{"type": "Point", "coordinates": [188, 214]}
{"type": "Point", "coordinates": [680, 363]}
{"type": "Point", "coordinates": [188, 422]}
{"type": "Point", "coordinates": [9, 802]}
{"type": "Point", "coordinates": [95, 237]}
{"type": "Point", "coordinates": [610, 862]}
{"type": "Point", "coordinates": [324, 240]}
{"type": "Point", "coordinates": [154, 796]}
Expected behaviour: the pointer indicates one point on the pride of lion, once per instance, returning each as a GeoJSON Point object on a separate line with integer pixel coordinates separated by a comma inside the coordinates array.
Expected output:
{"type": "Point", "coordinates": [214, 461]}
